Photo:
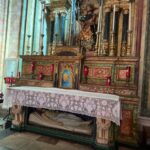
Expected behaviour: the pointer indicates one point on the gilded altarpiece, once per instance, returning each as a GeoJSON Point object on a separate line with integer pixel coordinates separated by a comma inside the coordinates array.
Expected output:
{"type": "Point", "coordinates": [102, 57]}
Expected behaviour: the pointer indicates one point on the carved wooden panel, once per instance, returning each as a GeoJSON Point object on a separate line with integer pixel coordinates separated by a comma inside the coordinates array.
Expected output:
{"type": "Point", "coordinates": [126, 122]}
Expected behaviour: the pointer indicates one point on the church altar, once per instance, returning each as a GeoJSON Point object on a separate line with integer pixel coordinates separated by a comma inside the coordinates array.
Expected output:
{"type": "Point", "coordinates": [105, 107]}
{"type": "Point", "coordinates": [92, 50]}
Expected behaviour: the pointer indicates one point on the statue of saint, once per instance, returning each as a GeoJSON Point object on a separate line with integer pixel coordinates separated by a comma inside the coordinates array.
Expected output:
{"type": "Point", "coordinates": [88, 19]}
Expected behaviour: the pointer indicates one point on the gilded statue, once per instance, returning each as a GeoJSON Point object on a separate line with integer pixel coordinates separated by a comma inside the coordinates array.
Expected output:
{"type": "Point", "coordinates": [88, 20]}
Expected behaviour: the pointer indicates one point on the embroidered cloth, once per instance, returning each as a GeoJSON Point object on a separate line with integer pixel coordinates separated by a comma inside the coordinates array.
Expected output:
{"type": "Point", "coordinates": [106, 106]}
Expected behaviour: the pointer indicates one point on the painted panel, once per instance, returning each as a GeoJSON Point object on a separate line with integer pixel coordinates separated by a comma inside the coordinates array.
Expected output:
{"type": "Point", "coordinates": [126, 123]}
{"type": "Point", "coordinates": [120, 74]}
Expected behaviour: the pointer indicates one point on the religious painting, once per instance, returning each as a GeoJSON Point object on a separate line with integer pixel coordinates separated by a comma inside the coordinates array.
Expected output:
{"type": "Point", "coordinates": [66, 75]}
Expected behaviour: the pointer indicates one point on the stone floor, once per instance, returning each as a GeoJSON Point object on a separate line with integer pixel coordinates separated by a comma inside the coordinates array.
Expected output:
{"type": "Point", "coordinates": [30, 141]}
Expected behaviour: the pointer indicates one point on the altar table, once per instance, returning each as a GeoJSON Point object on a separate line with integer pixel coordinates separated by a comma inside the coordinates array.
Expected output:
{"type": "Point", "coordinates": [102, 106]}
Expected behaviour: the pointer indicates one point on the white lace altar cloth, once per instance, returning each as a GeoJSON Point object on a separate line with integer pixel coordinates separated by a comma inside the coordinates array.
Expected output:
{"type": "Point", "coordinates": [98, 105]}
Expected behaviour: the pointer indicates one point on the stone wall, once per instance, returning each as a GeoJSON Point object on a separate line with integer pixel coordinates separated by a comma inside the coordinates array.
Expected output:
{"type": "Point", "coordinates": [10, 20]}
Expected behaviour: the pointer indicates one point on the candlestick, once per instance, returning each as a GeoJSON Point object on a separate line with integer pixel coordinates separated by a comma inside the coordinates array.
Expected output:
{"type": "Point", "coordinates": [18, 75]}
{"type": "Point", "coordinates": [85, 71]}
{"type": "Point", "coordinates": [130, 16]}
{"type": "Point", "coordinates": [40, 76]}
{"type": "Point", "coordinates": [112, 46]}
{"type": "Point", "coordinates": [129, 43]}
{"type": "Point", "coordinates": [28, 45]}
{"type": "Point", "coordinates": [108, 81]}
{"type": "Point", "coordinates": [114, 15]}
{"type": "Point", "coordinates": [99, 28]}
{"type": "Point", "coordinates": [128, 72]}
{"type": "Point", "coordinates": [32, 66]}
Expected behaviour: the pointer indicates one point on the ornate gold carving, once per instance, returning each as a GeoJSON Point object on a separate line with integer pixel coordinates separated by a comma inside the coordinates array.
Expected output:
{"type": "Point", "coordinates": [129, 45]}
{"type": "Point", "coordinates": [112, 45]}
{"type": "Point", "coordinates": [125, 10]}
{"type": "Point", "coordinates": [103, 131]}
{"type": "Point", "coordinates": [98, 44]}
{"type": "Point", "coordinates": [124, 49]}
{"type": "Point", "coordinates": [17, 111]}
{"type": "Point", "coordinates": [105, 48]}
{"type": "Point", "coordinates": [107, 8]}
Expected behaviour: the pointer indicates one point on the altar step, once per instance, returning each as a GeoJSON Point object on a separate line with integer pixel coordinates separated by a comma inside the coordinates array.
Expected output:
{"type": "Point", "coordinates": [30, 141]}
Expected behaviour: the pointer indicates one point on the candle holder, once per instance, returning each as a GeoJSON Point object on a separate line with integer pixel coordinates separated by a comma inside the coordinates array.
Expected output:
{"type": "Point", "coordinates": [112, 45]}
{"type": "Point", "coordinates": [41, 45]}
{"type": "Point", "coordinates": [128, 73]}
{"type": "Point", "coordinates": [19, 75]}
{"type": "Point", "coordinates": [85, 72]}
{"type": "Point", "coordinates": [49, 52]}
{"type": "Point", "coordinates": [105, 48]}
{"type": "Point", "coordinates": [108, 81]}
{"type": "Point", "coordinates": [28, 45]}
{"type": "Point", "coordinates": [32, 69]}
{"type": "Point", "coordinates": [124, 48]}
{"type": "Point", "coordinates": [10, 80]}
{"type": "Point", "coordinates": [98, 44]}
{"type": "Point", "coordinates": [129, 43]}
{"type": "Point", "coordinates": [40, 76]}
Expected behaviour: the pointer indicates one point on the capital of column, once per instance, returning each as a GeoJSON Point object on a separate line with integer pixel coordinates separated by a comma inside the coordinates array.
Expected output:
{"type": "Point", "coordinates": [117, 8]}
{"type": "Point", "coordinates": [63, 14]}
{"type": "Point", "coordinates": [52, 17]}
{"type": "Point", "coordinates": [60, 12]}
{"type": "Point", "coordinates": [126, 11]}
{"type": "Point", "coordinates": [107, 9]}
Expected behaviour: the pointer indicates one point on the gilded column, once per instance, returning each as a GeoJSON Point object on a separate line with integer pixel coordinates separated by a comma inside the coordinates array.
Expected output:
{"type": "Point", "coordinates": [55, 32]}
{"type": "Point", "coordinates": [52, 23]}
{"type": "Point", "coordinates": [124, 32]}
{"type": "Point", "coordinates": [106, 33]}
{"type": "Point", "coordinates": [63, 18]}
{"type": "Point", "coordinates": [99, 31]}
{"type": "Point", "coordinates": [129, 41]}
{"type": "Point", "coordinates": [103, 131]}
{"type": "Point", "coordinates": [114, 33]}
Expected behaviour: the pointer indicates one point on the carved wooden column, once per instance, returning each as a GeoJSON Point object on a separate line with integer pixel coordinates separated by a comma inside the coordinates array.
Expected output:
{"type": "Point", "coordinates": [55, 34]}
{"type": "Point", "coordinates": [62, 27]}
{"type": "Point", "coordinates": [114, 33]}
{"type": "Point", "coordinates": [99, 31]}
{"type": "Point", "coordinates": [129, 42]}
{"type": "Point", "coordinates": [106, 33]}
{"type": "Point", "coordinates": [103, 132]}
{"type": "Point", "coordinates": [18, 115]}
{"type": "Point", "coordinates": [52, 23]}
{"type": "Point", "coordinates": [124, 32]}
